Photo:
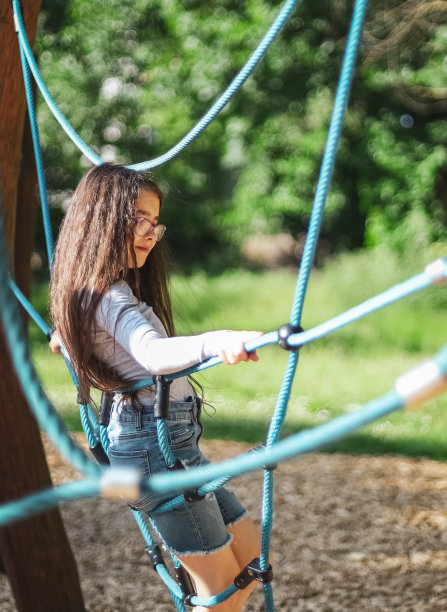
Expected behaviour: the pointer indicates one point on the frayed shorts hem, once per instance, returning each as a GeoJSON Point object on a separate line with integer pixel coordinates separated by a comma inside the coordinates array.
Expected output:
{"type": "Point", "coordinates": [203, 553]}
{"type": "Point", "coordinates": [200, 553]}
{"type": "Point", "coordinates": [238, 519]}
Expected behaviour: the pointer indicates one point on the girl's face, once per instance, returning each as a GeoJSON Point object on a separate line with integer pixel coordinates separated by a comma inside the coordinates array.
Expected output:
{"type": "Point", "coordinates": [147, 207]}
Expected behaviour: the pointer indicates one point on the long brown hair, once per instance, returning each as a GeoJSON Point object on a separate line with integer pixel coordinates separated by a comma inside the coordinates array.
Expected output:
{"type": "Point", "coordinates": [91, 254]}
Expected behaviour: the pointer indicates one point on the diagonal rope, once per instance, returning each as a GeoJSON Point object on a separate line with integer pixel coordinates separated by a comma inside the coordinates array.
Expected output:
{"type": "Point", "coordinates": [212, 113]}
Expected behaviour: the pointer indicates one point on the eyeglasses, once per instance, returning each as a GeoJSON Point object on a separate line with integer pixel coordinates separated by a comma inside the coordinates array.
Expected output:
{"type": "Point", "coordinates": [144, 227]}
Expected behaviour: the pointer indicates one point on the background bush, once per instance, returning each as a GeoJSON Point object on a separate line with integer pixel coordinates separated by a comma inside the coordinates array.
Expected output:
{"type": "Point", "coordinates": [134, 77]}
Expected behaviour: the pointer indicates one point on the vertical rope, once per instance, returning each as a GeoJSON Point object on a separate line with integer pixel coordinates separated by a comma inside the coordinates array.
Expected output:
{"type": "Point", "coordinates": [164, 443]}
{"type": "Point", "coordinates": [42, 408]}
{"type": "Point", "coordinates": [38, 157]}
{"type": "Point", "coordinates": [327, 166]}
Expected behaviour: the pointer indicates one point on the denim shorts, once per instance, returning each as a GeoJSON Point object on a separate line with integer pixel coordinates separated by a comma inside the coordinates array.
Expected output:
{"type": "Point", "coordinates": [197, 527]}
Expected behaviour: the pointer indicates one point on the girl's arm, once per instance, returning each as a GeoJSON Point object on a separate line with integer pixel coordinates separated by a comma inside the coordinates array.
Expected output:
{"type": "Point", "coordinates": [167, 355]}
{"type": "Point", "coordinates": [146, 341]}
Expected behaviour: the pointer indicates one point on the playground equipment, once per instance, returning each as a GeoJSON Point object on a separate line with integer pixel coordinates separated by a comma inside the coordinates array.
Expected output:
{"type": "Point", "coordinates": [411, 389]}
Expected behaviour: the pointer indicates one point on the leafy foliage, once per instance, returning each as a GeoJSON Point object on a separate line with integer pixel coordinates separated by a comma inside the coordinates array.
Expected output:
{"type": "Point", "coordinates": [134, 77]}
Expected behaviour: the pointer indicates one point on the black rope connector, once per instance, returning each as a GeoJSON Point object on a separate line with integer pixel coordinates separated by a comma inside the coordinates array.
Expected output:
{"type": "Point", "coordinates": [260, 447]}
{"type": "Point", "coordinates": [105, 408]}
{"type": "Point", "coordinates": [186, 585]}
{"type": "Point", "coordinates": [284, 332]}
{"type": "Point", "coordinates": [253, 572]}
{"type": "Point", "coordinates": [99, 454]}
{"type": "Point", "coordinates": [192, 495]}
{"type": "Point", "coordinates": [187, 599]}
{"type": "Point", "coordinates": [154, 554]}
{"type": "Point", "coordinates": [162, 388]}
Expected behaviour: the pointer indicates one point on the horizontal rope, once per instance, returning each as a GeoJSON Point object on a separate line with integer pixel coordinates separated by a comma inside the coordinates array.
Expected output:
{"type": "Point", "coordinates": [300, 443]}
{"type": "Point", "coordinates": [44, 500]}
{"type": "Point", "coordinates": [297, 444]}
{"type": "Point", "coordinates": [402, 290]}
{"type": "Point", "coordinates": [399, 291]}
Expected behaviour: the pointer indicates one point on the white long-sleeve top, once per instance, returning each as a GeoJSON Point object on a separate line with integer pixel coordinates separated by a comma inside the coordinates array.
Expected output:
{"type": "Point", "coordinates": [130, 337]}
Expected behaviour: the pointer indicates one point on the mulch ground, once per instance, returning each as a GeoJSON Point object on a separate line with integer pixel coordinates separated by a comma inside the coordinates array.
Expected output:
{"type": "Point", "coordinates": [350, 533]}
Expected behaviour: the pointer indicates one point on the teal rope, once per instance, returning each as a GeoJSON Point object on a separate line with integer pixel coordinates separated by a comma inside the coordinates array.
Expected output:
{"type": "Point", "coordinates": [398, 292]}
{"type": "Point", "coordinates": [92, 419]}
{"type": "Point", "coordinates": [29, 307]}
{"type": "Point", "coordinates": [231, 90]}
{"type": "Point", "coordinates": [327, 166]}
{"type": "Point", "coordinates": [86, 425]}
{"type": "Point", "coordinates": [325, 175]}
{"type": "Point", "coordinates": [297, 444]}
{"type": "Point", "coordinates": [38, 158]}
{"type": "Point", "coordinates": [170, 583]}
{"type": "Point", "coordinates": [49, 498]}
{"type": "Point", "coordinates": [341, 98]}
{"type": "Point", "coordinates": [42, 408]}
{"type": "Point", "coordinates": [303, 442]}
{"type": "Point", "coordinates": [416, 283]}
{"type": "Point", "coordinates": [24, 45]}
{"type": "Point", "coordinates": [164, 443]}
{"type": "Point", "coordinates": [216, 108]}
{"type": "Point", "coordinates": [104, 438]}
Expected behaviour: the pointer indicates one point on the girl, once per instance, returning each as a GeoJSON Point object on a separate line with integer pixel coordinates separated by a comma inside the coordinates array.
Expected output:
{"type": "Point", "coordinates": [111, 306]}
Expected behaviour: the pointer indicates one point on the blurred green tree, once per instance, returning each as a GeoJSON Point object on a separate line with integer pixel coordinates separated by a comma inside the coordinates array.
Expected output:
{"type": "Point", "coordinates": [134, 77]}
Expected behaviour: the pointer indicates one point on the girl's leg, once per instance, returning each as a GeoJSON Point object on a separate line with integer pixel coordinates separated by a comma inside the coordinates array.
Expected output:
{"type": "Point", "coordinates": [214, 572]}
{"type": "Point", "coordinates": [246, 546]}
{"type": "Point", "coordinates": [246, 543]}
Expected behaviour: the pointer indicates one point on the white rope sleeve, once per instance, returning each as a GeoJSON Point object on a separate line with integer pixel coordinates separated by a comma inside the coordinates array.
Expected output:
{"type": "Point", "coordinates": [421, 384]}
{"type": "Point", "coordinates": [118, 483]}
{"type": "Point", "coordinates": [437, 271]}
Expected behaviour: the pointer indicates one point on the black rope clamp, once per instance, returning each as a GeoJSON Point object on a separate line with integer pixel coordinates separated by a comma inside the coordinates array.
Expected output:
{"type": "Point", "coordinates": [162, 388]}
{"type": "Point", "coordinates": [99, 454]}
{"type": "Point", "coordinates": [261, 447]}
{"type": "Point", "coordinates": [185, 583]}
{"type": "Point", "coordinates": [284, 333]}
{"type": "Point", "coordinates": [154, 554]}
{"type": "Point", "coordinates": [253, 572]}
{"type": "Point", "coordinates": [105, 408]}
{"type": "Point", "coordinates": [192, 495]}
{"type": "Point", "coordinates": [187, 599]}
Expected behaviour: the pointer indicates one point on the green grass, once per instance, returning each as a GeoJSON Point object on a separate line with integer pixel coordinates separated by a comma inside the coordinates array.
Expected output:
{"type": "Point", "coordinates": [335, 375]}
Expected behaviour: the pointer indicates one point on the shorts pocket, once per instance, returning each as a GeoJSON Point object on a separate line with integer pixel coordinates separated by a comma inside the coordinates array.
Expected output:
{"type": "Point", "coordinates": [137, 460]}
{"type": "Point", "coordinates": [181, 435]}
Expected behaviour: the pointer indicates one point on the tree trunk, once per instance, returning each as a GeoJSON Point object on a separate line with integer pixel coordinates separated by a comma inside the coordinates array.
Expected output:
{"type": "Point", "coordinates": [35, 552]}
{"type": "Point", "coordinates": [27, 202]}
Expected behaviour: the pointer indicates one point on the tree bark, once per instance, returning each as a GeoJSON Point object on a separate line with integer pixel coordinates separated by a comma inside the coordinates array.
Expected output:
{"type": "Point", "coordinates": [35, 552]}
{"type": "Point", "coordinates": [27, 202]}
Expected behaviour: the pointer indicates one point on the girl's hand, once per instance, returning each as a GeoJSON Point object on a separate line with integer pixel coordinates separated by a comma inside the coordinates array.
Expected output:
{"type": "Point", "coordinates": [231, 349]}
{"type": "Point", "coordinates": [55, 343]}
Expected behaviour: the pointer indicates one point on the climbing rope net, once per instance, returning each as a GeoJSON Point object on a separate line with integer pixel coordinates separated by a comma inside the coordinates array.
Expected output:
{"type": "Point", "coordinates": [425, 381]}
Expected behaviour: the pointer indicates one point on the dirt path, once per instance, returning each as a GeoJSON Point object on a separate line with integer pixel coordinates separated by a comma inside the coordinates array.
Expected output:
{"type": "Point", "coordinates": [350, 534]}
